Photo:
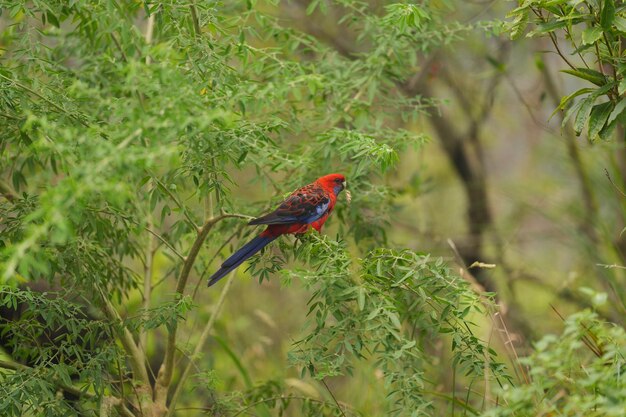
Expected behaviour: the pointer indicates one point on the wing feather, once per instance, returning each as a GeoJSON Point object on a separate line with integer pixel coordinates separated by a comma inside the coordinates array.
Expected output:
{"type": "Point", "coordinates": [304, 205]}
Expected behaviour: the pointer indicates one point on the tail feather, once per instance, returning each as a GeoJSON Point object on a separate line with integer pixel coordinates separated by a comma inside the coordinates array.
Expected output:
{"type": "Point", "coordinates": [240, 256]}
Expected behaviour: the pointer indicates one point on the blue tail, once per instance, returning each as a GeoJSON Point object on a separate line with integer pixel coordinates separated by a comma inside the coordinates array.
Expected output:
{"type": "Point", "coordinates": [241, 255]}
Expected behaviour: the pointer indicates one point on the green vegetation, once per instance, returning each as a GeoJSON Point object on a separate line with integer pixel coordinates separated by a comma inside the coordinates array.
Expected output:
{"type": "Point", "coordinates": [138, 138]}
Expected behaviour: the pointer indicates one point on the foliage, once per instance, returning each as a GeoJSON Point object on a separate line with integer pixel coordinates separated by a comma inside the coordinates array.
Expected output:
{"type": "Point", "coordinates": [592, 31]}
{"type": "Point", "coordinates": [579, 373]}
{"type": "Point", "coordinates": [389, 308]}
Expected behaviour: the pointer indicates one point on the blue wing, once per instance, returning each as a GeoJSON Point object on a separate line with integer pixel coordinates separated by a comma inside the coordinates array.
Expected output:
{"type": "Point", "coordinates": [305, 205]}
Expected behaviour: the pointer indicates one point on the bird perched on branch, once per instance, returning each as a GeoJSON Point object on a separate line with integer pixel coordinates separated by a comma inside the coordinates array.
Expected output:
{"type": "Point", "coordinates": [306, 207]}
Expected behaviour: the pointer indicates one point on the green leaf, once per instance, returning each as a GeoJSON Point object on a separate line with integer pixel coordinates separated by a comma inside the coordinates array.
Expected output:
{"type": "Point", "coordinates": [619, 108]}
{"type": "Point", "coordinates": [53, 19]}
{"type": "Point", "coordinates": [620, 23]}
{"type": "Point", "coordinates": [311, 7]}
{"type": "Point", "coordinates": [607, 15]}
{"type": "Point", "coordinates": [598, 117]}
{"type": "Point", "coordinates": [567, 99]}
{"type": "Point", "coordinates": [591, 35]}
{"type": "Point", "coordinates": [590, 75]}
{"type": "Point", "coordinates": [607, 131]}
{"type": "Point", "coordinates": [585, 108]}
{"type": "Point", "coordinates": [518, 26]}
{"type": "Point", "coordinates": [621, 88]}
{"type": "Point", "coordinates": [548, 27]}
{"type": "Point", "coordinates": [583, 114]}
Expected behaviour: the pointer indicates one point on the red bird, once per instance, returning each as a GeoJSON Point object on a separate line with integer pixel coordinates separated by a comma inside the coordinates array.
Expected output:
{"type": "Point", "coordinates": [306, 207]}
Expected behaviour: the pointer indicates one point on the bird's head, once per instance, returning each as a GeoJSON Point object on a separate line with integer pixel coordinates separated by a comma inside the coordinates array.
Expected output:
{"type": "Point", "coordinates": [333, 182]}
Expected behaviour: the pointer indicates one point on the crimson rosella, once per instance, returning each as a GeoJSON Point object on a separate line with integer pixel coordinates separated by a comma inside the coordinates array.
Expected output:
{"type": "Point", "coordinates": [306, 207]}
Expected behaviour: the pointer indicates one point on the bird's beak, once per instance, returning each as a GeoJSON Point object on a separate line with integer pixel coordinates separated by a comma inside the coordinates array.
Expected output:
{"type": "Point", "coordinates": [344, 184]}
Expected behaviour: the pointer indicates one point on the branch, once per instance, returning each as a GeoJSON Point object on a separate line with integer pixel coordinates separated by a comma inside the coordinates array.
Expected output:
{"type": "Point", "coordinates": [289, 397]}
{"type": "Point", "coordinates": [165, 242]}
{"type": "Point", "coordinates": [147, 280]}
{"type": "Point", "coordinates": [584, 181]}
{"type": "Point", "coordinates": [70, 389]}
{"type": "Point", "coordinates": [7, 191]}
{"type": "Point", "coordinates": [47, 100]}
{"type": "Point", "coordinates": [164, 378]}
{"type": "Point", "coordinates": [619, 190]}
{"type": "Point", "coordinates": [200, 345]}
{"type": "Point", "coordinates": [146, 228]}
{"type": "Point", "coordinates": [13, 366]}
{"type": "Point", "coordinates": [178, 203]}
{"type": "Point", "coordinates": [127, 340]}
{"type": "Point", "coordinates": [149, 32]}
{"type": "Point", "coordinates": [194, 18]}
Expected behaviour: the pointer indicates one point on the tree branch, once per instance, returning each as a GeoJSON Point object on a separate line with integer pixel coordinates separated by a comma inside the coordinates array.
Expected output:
{"type": "Point", "coordinates": [147, 280]}
{"type": "Point", "coordinates": [70, 389]}
{"type": "Point", "coordinates": [136, 356]}
{"type": "Point", "coordinates": [7, 191]}
{"type": "Point", "coordinates": [200, 345]}
{"type": "Point", "coordinates": [127, 340]}
{"type": "Point", "coordinates": [47, 100]}
{"type": "Point", "coordinates": [586, 188]}
{"type": "Point", "coordinates": [14, 366]}
{"type": "Point", "coordinates": [194, 19]}
{"type": "Point", "coordinates": [164, 378]}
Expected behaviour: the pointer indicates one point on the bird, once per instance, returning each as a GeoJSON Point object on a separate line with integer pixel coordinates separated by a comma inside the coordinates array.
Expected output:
{"type": "Point", "coordinates": [307, 207]}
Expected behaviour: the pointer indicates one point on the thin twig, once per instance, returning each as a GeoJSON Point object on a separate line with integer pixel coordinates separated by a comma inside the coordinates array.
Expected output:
{"type": "Point", "coordinates": [590, 345]}
{"type": "Point", "coordinates": [165, 373]}
{"type": "Point", "coordinates": [614, 185]}
{"type": "Point", "coordinates": [119, 47]}
{"type": "Point", "coordinates": [194, 18]}
{"type": "Point", "coordinates": [147, 280]}
{"type": "Point", "coordinates": [178, 203]}
{"type": "Point", "coordinates": [165, 242]}
{"type": "Point", "coordinates": [47, 100]}
{"type": "Point", "coordinates": [554, 40]}
{"type": "Point", "coordinates": [127, 340]}
{"type": "Point", "coordinates": [200, 345]}
{"type": "Point", "coordinates": [125, 58]}
{"type": "Point", "coordinates": [334, 399]}
{"type": "Point", "coordinates": [146, 228]}
{"type": "Point", "coordinates": [9, 116]}
{"type": "Point", "coordinates": [509, 342]}
{"type": "Point", "coordinates": [13, 366]}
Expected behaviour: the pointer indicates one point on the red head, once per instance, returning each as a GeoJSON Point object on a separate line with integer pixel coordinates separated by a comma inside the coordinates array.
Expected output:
{"type": "Point", "coordinates": [333, 182]}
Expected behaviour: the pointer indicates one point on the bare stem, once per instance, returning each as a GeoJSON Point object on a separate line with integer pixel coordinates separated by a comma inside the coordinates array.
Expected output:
{"type": "Point", "coordinates": [136, 358]}
{"type": "Point", "coordinates": [165, 242]}
{"type": "Point", "coordinates": [149, 34]}
{"type": "Point", "coordinates": [147, 279]}
{"type": "Point", "coordinates": [200, 345]}
{"type": "Point", "coordinates": [194, 18]}
{"type": "Point", "coordinates": [164, 378]}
